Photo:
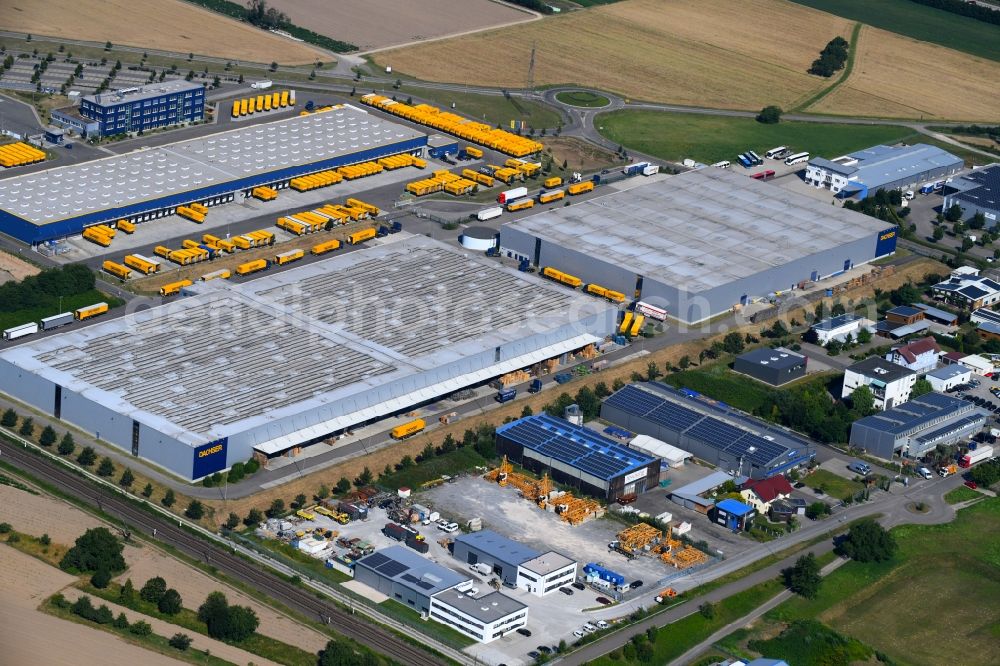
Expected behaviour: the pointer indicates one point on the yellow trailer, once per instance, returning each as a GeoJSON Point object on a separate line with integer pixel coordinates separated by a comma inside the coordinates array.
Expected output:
{"type": "Point", "coordinates": [559, 276]}
{"type": "Point", "coordinates": [161, 251]}
{"type": "Point", "coordinates": [243, 107]}
{"type": "Point", "coordinates": [267, 102]}
{"type": "Point", "coordinates": [236, 108]}
{"type": "Point", "coordinates": [226, 245]}
{"type": "Point", "coordinates": [174, 288]}
{"type": "Point", "coordinates": [94, 235]}
{"type": "Point", "coordinates": [116, 269]}
{"type": "Point", "coordinates": [252, 267]}
{"type": "Point", "coordinates": [222, 273]}
{"type": "Point", "coordinates": [284, 98]}
{"type": "Point", "coordinates": [580, 188]}
{"type": "Point", "coordinates": [264, 193]}
{"type": "Point", "coordinates": [262, 237]}
{"type": "Point", "coordinates": [140, 264]}
{"type": "Point", "coordinates": [361, 236]}
{"type": "Point", "coordinates": [367, 207]}
{"type": "Point", "coordinates": [288, 257]}
{"type": "Point", "coordinates": [327, 246]}
{"type": "Point", "coordinates": [189, 244]}
{"type": "Point", "coordinates": [472, 151]}
{"type": "Point", "coordinates": [637, 325]}
{"type": "Point", "coordinates": [126, 226]}
{"type": "Point", "coordinates": [90, 311]}
{"type": "Point", "coordinates": [408, 429]}
{"type": "Point", "coordinates": [244, 242]}
{"type": "Point", "coordinates": [626, 322]}
{"type": "Point", "coordinates": [190, 214]}
{"type": "Point", "coordinates": [551, 195]}
{"type": "Point", "coordinates": [199, 208]}
{"type": "Point", "coordinates": [554, 181]}
{"type": "Point", "coordinates": [520, 204]}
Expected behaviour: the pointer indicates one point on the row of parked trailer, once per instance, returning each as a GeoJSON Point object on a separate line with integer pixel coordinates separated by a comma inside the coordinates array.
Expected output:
{"type": "Point", "coordinates": [19, 154]}
{"type": "Point", "coordinates": [55, 321]}
{"type": "Point", "coordinates": [248, 106]}
{"type": "Point", "coordinates": [327, 216]}
{"type": "Point", "coordinates": [444, 121]}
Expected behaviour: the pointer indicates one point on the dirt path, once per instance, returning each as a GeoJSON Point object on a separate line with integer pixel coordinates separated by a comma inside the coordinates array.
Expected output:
{"type": "Point", "coordinates": [199, 641]}
{"type": "Point", "coordinates": [27, 635]}
{"type": "Point", "coordinates": [194, 586]}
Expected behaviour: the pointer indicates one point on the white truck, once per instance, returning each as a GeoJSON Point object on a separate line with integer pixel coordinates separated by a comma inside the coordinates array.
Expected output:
{"type": "Point", "coordinates": [511, 195]}
{"type": "Point", "coordinates": [16, 332]}
{"type": "Point", "coordinates": [481, 568]}
{"type": "Point", "coordinates": [261, 85]}
{"type": "Point", "coordinates": [982, 452]}
{"type": "Point", "coordinates": [489, 213]}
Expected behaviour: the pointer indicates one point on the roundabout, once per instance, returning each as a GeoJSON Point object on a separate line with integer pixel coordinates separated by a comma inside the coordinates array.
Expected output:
{"type": "Point", "coordinates": [583, 98]}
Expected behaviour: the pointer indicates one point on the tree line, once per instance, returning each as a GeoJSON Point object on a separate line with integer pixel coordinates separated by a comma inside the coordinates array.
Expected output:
{"type": "Point", "coordinates": [831, 59]}
{"type": "Point", "coordinates": [44, 289]}
{"type": "Point", "coordinates": [962, 8]}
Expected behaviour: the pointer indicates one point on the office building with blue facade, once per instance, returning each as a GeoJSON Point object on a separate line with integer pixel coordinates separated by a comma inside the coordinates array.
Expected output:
{"type": "Point", "coordinates": [148, 184]}
{"type": "Point", "coordinates": [145, 107]}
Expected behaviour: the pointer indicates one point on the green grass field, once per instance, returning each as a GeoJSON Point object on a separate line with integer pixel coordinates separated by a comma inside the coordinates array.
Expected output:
{"type": "Point", "coordinates": [709, 139]}
{"type": "Point", "coordinates": [28, 315]}
{"type": "Point", "coordinates": [961, 494]}
{"type": "Point", "coordinates": [491, 109]}
{"type": "Point", "coordinates": [832, 484]}
{"type": "Point", "coordinates": [582, 98]}
{"type": "Point", "coordinates": [441, 632]}
{"type": "Point", "coordinates": [451, 464]}
{"type": "Point", "coordinates": [934, 604]}
{"type": "Point", "coordinates": [919, 22]}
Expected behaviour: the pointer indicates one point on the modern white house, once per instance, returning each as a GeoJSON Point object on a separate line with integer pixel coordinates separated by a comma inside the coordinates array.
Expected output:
{"type": "Point", "coordinates": [890, 384]}
{"type": "Point", "coordinates": [546, 573]}
{"type": "Point", "coordinates": [920, 355]}
{"type": "Point", "coordinates": [947, 377]}
{"type": "Point", "coordinates": [839, 327]}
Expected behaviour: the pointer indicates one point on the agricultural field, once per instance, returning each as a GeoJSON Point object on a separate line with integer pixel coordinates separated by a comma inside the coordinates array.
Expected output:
{"type": "Point", "coordinates": [169, 25]}
{"type": "Point", "coordinates": [708, 139]}
{"type": "Point", "coordinates": [956, 564]}
{"type": "Point", "coordinates": [647, 50]}
{"type": "Point", "coordinates": [887, 68]}
{"type": "Point", "coordinates": [490, 109]}
{"type": "Point", "coordinates": [919, 22]}
{"type": "Point", "coordinates": [374, 24]}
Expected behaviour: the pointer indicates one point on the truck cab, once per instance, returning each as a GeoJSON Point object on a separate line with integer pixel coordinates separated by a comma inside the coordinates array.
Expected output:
{"type": "Point", "coordinates": [506, 395]}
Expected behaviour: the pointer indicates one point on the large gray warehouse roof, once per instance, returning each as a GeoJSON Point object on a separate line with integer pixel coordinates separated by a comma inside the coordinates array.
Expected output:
{"type": "Point", "coordinates": [140, 93]}
{"type": "Point", "coordinates": [391, 317]}
{"type": "Point", "coordinates": [701, 229]}
{"type": "Point", "coordinates": [54, 194]}
{"type": "Point", "coordinates": [411, 570]}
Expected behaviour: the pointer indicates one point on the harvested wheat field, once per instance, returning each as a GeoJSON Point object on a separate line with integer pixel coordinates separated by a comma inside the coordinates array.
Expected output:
{"type": "Point", "coordinates": [29, 636]}
{"type": "Point", "coordinates": [194, 586]}
{"type": "Point", "coordinates": [40, 514]}
{"type": "Point", "coordinates": [168, 25]}
{"type": "Point", "coordinates": [898, 77]}
{"type": "Point", "coordinates": [372, 24]}
{"type": "Point", "coordinates": [696, 52]}
{"type": "Point", "coordinates": [15, 268]}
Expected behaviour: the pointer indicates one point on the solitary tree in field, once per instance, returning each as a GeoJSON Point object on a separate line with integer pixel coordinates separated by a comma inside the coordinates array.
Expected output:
{"type": "Point", "coordinates": [107, 46]}
{"type": "Point", "coordinates": [94, 549]}
{"type": "Point", "coordinates": [867, 541]}
{"type": "Point", "coordinates": [770, 115]}
{"type": "Point", "coordinates": [803, 578]}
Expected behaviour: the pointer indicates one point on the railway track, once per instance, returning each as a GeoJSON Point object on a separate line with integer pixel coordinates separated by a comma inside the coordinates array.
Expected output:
{"type": "Point", "coordinates": [350, 625]}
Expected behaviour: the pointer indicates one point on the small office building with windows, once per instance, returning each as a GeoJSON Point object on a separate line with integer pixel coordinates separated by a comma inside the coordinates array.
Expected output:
{"type": "Point", "coordinates": [514, 563]}
{"type": "Point", "coordinates": [145, 107]}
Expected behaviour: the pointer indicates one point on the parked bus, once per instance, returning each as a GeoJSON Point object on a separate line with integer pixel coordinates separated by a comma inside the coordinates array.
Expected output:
{"type": "Point", "coordinates": [745, 161]}
{"type": "Point", "coordinates": [776, 153]}
{"type": "Point", "coordinates": [754, 158]}
{"type": "Point", "coordinates": [797, 158]}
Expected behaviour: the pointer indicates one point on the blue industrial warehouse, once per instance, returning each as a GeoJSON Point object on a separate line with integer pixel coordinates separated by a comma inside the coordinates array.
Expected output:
{"type": "Point", "coordinates": [711, 430]}
{"type": "Point", "coordinates": [149, 184]}
{"type": "Point", "coordinates": [266, 367]}
{"type": "Point", "coordinates": [577, 456]}
{"type": "Point", "coordinates": [918, 426]}
{"type": "Point", "coordinates": [976, 192]}
{"type": "Point", "coordinates": [698, 244]}
{"type": "Point", "coordinates": [882, 168]}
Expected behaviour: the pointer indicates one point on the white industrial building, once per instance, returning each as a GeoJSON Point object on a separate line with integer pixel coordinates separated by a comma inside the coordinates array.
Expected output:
{"type": "Point", "coordinates": [515, 564]}
{"type": "Point", "coordinates": [668, 453]}
{"type": "Point", "coordinates": [697, 244]}
{"type": "Point", "coordinates": [261, 368]}
{"type": "Point", "coordinates": [839, 327]}
{"type": "Point", "coordinates": [882, 167]}
{"type": "Point", "coordinates": [947, 377]}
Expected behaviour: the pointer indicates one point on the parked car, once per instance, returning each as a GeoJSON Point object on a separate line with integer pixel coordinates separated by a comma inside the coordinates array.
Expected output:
{"type": "Point", "coordinates": [601, 624]}
{"type": "Point", "coordinates": [604, 601]}
{"type": "Point", "coordinates": [971, 484]}
{"type": "Point", "coordinates": [580, 586]}
{"type": "Point", "coordinates": [589, 628]}
{"type": "Point", "coordinates": [578, 633]}
{"type": "Point", "coordinates": [523, 631]}
{"type": "Point", "coordinates": [565, 590]}
{"type": "Point", "coordinates": [635, 584]}
{"type": "Point", "coordinates": [534, 655]}
{"type": "Point", "coordinates": [449, 528]}
{"type": "Point", "coordinates": [443, 523]}
{"type": "Point", "coordinates": [544, 649]}
{"type": "Point", "coordinates": [924, 472]}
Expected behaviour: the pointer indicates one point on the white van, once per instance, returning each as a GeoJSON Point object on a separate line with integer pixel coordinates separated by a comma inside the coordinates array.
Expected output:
{"type": "Point", "coordinates": [724, 164]}
{"type": "Point", "coordinates": [924, 472]}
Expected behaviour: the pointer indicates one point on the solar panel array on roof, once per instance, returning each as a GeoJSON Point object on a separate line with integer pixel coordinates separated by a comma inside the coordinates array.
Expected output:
{"type": "Point", "coordinates": [376, 560]}
{"type": "Point", "coordinates": [392, 568]}
{"type": "Point", "coordinates": [574, 445]}
{"type": "Point", "coordinates": [917, 414]}
{"type": "Point", "coordinates": [715, 432]}
{"type": "Point", "coordinates": [951, 427]}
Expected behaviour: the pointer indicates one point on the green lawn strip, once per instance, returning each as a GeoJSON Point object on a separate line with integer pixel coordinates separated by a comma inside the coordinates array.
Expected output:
{"type": "Point", "coordinates": [919, 22]}
{"type": "Point", "coordinates": [459, 460]}
{"type": "Point", "coordinates": [258, 644]}
{"type": "Point", "coordinates": [436, 630]}
{"type": "Point", "coordinates": [675, 639]}
{"type": "Point", "coordinates": [34, 314]}
{"type": "Point", "coordinates": [811, 643]}
{"type": "Point", "coordinates": [946, 576]}
{"type": "Point", "coordinates": [295, 558]}
{"type": "Point", "coordinates": [832, 484]}
{"type": "Point", "coordinates": [709, 139]}
{"type": "Point", "coordinates": [152, 642]}
{"type": "Point", "coordinates": [848, 67]}
{"type": "Point", "coordinates": [582, 98]}
{"type": "Point", "coordinates": [490, 109]}
{"type": "Point", "coordinates": [961, 494]}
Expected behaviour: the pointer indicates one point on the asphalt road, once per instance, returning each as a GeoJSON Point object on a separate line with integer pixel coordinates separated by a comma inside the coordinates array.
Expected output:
{"type": "Point", "coordinates": [296, 598]}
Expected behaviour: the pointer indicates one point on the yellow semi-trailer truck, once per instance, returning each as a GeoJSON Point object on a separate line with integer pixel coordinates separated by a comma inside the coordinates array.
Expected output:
{"type": "Point", "coordinates": [119, 271]}
{"type": "Point", "coordinates": [554, 181]}
{"type": "Point", "coordinates": [126, 226]}
{"type": "Point", "coordinates": [323, 248]}
{"type": "Point", "coordinates": [142, 264]}
{"type": "Point", "coordinates": [408, 429]}
{"type": "Point", "coordinates": [361, 236]}
{"type": "Point", "coordinates": [252, 266]}
{"type": "Point", "coordinates": [174, 288]}
{"type": "Point", "coordinates": [95, 235]}
{"type": "Point", "coordinates": [580, 188]}
{"type": "Point", "coordinates": [90, 311]}
{"type": "Point", "coordinates": [520, 204]}
{"type": "Point", "coordinates": [222, 273]}
{"type": "Point", "coordinates": [551, 195]}
{"type": "Point", "coordinates": [288, 257]}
